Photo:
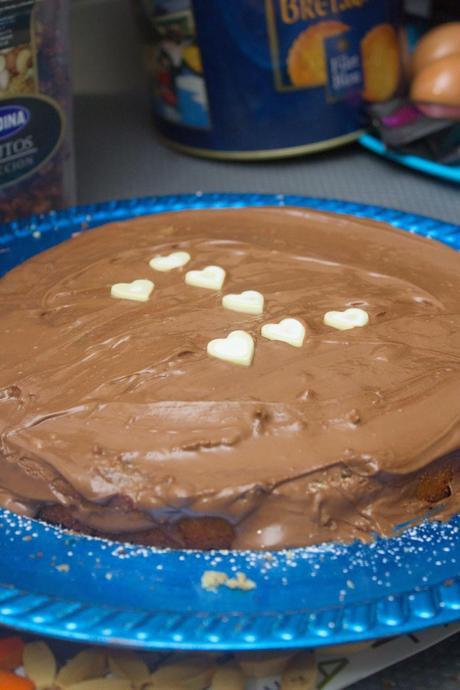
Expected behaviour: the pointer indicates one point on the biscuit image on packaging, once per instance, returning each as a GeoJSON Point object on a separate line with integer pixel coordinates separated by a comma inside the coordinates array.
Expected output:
{"type": "Point", "coordinates": [306, 61]}
{"type": "Point", "coordinates": [17, 71]}
{"type": "Point", "coordinates": [381, 63]}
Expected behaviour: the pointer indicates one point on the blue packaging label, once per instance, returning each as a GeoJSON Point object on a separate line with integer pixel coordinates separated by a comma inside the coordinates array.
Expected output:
{"type": "Point", "coordinates": [13, 118]}
{"type": "Point", "coordinates": [25, 144]}
{"type": "Point", "coordinates": [343, 65]}
{"type": "Point", "coordinates": [179, 85]}
{"type": "Point", "coordinates": [15, 23]}
{"type": "Point", "coordinates": [326, 44]}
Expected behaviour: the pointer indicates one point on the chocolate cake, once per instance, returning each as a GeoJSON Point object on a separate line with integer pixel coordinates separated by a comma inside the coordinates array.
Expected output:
{"type": "Point", "coordinates": [127, 411]}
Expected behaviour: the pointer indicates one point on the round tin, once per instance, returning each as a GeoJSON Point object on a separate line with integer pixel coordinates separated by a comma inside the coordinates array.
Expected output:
{"type": "Point", "coordinates": [72, 586]}
{"type": "Point", "coordinates": [252, 79]}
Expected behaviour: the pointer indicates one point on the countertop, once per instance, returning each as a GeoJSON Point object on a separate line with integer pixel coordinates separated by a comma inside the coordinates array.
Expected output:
{"type": "Point", "coordinates": [119, 156]}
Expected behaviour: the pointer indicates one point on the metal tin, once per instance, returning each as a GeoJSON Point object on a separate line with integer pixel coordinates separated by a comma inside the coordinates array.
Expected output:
{"type": "Point", "coordinates": [252, 79]}
{"type": "Point", "coordinates": [97, 591]}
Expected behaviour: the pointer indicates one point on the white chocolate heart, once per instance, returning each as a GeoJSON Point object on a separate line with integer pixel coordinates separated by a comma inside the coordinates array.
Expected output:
{"type": "Point", "coordinates": [210, 277]}
{"type": "Point", "coordinates": [289, 331]}
{"type": "Point", "coordinates": [167, 263]}
{"type": "Point", "coordinates": [138, 290]}
{"type": "Point", "coordinates": [237, 348]}
{"type": "Point", "coordinates": [248, 302]}
{"type": "Point", "coordinates": [344, 320]}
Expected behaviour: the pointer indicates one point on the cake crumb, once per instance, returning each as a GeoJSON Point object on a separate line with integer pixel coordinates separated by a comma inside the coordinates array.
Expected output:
{"type": "Point", "coordinates": [241, 581]}
{"type": "Point", "coordinates": [211, 580]}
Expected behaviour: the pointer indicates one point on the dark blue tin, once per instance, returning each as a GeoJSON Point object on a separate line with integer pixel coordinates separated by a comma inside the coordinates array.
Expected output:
{"type": "Point", "coordinates": [80, 588]}
{"type": "Point", "coordinates": [268, 78]}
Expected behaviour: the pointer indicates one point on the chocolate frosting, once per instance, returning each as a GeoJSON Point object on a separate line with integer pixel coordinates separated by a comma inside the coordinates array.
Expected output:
{"type": "Point", "coordinates": [105, 400]}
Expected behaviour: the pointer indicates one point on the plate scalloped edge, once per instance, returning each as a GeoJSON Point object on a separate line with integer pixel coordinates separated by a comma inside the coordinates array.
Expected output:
{"type": "Point", "coordinates": [57, 601]}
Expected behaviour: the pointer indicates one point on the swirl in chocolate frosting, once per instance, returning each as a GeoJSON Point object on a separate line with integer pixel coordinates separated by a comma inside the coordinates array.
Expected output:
{"type": "Point", "coordinates": [112, 409]}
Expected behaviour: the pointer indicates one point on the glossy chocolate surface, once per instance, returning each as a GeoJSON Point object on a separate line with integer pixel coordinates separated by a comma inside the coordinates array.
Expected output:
{"type": "Point", "coordinates": [109, 403]}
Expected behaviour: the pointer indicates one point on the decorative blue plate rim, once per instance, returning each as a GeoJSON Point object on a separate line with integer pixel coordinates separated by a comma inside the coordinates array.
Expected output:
{"type": "Point", "coordinates": [445, 172]}
{"type": "Point", "coordinates": [78, 588]}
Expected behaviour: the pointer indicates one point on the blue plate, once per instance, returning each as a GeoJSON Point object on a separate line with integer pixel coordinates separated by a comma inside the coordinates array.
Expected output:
{"type": "Point", "coordinates": [424, 165]}
{"type": "Point", "coordinates": [79, 588]}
